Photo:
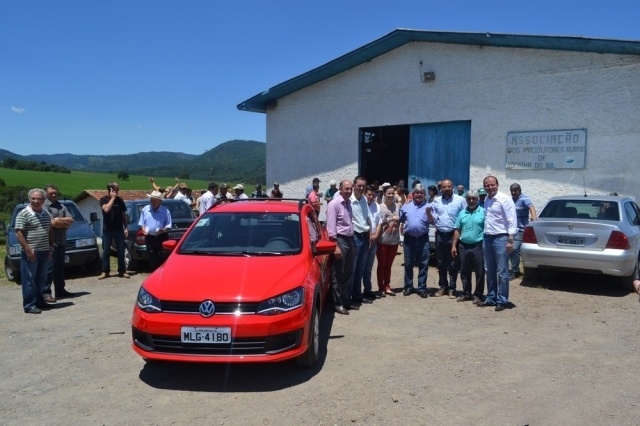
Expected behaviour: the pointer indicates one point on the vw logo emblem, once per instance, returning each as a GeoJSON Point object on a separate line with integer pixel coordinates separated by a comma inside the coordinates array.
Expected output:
{"type": "Point", "coordinates": [207, 308]}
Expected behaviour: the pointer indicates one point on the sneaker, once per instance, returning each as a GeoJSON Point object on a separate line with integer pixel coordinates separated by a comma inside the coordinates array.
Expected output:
{"type": "Point", "coordinates": [440, 292]}
{"type": "Point", "coordinates": [452, 294]}
{"type": "Point", "coordinates": [49, 298]}
{"type": "Point", "coordinates": [125, 275]}
{"type": "Point", "coordinates": [33, 310]}
{"type": "Point", "coordinates": [103, 276]}
{"type": "Point", "coordinates": [407, 292]}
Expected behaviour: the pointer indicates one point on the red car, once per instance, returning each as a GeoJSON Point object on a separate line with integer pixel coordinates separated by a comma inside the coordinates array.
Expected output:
{"type": "Point", "coordinates": [246, 283]}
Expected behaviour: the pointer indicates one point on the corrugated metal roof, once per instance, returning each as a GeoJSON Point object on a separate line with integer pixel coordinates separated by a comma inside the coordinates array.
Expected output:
{"type": "Point", "coordinates": [399, 37]}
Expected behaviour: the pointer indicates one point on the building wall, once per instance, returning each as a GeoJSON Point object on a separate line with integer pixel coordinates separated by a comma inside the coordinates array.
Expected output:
{"type": "Point", "coordinates": [314, 132]}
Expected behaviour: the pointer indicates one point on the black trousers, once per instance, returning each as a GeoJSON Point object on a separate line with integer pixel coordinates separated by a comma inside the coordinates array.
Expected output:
{"type": "Point", "coordinates": [155, 250]}
{"type": "Point", "coordinates": [471, 261]}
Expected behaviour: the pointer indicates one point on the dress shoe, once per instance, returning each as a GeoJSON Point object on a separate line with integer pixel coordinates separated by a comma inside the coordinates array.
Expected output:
{"type": "Point", "coordinates": [369, 295]}
{"type": "Point", "coordinates": [64, 294]}
{"type": "Point", "coordinates": [407, 292]}
{"type": "Point", "coordinates": [500, 307]}
{"type": "Point", "coordinates": [125, 275]}
{"type": "Point", "coordinates": [389, 292]}
{"type": "Point", "coordinates": [423, 293]}
{"type": "Point", "coordinates": [341, 310]}
{"type": "Point", "coordinates": [49, 298]}
{"type": "Point", "coordinates": [352, 307]}
{"type": "Point", "coordinates": [366, 300]}
{"type": "Point", "coordinates": [463, 298]}
{"type": "Point", "coordinates": [103, 275]}
{"type": "Point", "coordinates": [477, 300]}
{"type": "Point", "coordinates": [440, 292]}
{"type": "Point", "coordinates": [32, 310]}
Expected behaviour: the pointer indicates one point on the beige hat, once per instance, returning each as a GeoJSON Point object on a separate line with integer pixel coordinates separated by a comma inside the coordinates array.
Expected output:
{"type": "Point", "coordinates": [156, 194]}
{"type": "Point", "coordinates": [238, 186]}
{"type": "Point", "coordinates": [183, 186]}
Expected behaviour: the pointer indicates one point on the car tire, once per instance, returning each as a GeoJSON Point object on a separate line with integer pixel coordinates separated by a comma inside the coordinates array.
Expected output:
{"type": "Point", "coordinates": [129, 263]}
{"type": "Point", "coordinates": [532, 274]}
{"type": "Point", "coordinates": [310, 358]}
{"type": "Point", "coordinates": [10, 273]}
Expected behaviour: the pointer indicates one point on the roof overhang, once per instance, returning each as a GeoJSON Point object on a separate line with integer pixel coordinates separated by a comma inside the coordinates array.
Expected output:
{"type": "Point", "coordinates": [268, 99]}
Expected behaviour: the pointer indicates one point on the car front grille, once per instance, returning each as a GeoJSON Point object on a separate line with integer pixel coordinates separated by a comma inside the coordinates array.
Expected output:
{"type": "Point", "coordinates": [221, 308]}
{"type": "Point", "coordinates": [238, 346]}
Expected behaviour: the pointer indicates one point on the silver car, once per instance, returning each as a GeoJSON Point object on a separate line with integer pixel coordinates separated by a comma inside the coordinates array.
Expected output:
{"type": "Point", "coordinates": [592, 234]}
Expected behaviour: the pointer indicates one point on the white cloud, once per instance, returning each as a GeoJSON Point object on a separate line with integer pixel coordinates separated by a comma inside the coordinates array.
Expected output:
{"type": "Point", "coordinates": [17, 110]}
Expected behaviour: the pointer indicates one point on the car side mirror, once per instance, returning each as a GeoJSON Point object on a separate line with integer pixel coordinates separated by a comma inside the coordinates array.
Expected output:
{"type": "Point", "coordinates": [169, 245]}
{"type": "Point", "coordinates": [324, 247]}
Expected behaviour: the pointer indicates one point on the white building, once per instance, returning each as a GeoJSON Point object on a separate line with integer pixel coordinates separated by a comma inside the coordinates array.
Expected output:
{"type": "Point", "coordinates": [559, 115]}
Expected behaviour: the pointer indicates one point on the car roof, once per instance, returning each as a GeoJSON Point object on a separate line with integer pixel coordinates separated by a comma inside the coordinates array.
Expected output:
{"type": "Point", "coordinates": [261, 205]}
{"type": "Point", "coordinates": [607, 198]}
{"type": "Point", "coordinates": [146, 201]}
{"type": "Point", "coordinates": [23, 205]}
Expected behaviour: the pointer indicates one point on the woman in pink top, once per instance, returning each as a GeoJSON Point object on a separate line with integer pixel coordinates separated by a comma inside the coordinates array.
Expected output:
{"type": "Point", "coordinates": [388, 241]}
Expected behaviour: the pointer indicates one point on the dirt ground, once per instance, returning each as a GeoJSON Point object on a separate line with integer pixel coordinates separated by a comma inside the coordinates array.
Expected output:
{"type": "Point", "coordinates": [565, 354]}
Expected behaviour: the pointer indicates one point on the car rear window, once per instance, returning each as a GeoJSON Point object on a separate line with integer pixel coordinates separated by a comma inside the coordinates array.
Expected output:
{"type": "Point", "coordinates": [581, 209]}
{"type": "Point", "coordinates": [246, 233]}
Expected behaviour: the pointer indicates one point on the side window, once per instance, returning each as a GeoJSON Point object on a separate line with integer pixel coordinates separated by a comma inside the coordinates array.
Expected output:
{"type": "Point", "coordinates": [631, 211]}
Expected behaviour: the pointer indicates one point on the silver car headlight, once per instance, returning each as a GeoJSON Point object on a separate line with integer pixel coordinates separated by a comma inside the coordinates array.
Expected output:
{"type": "Point", "coordinates": [148, 302]}
{"type": "Point", "coordinates": [283, 303]}
{"type": "Point", "coordinates": [14, 251]}
{"type": "Point", "coordinates": [85, 242]}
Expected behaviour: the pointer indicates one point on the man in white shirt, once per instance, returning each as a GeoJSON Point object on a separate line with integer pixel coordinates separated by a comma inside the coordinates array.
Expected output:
{"type": "Point", "coordinates": [182, 194]}
{"type": "Point", "coordinates": [208, 199]}
{"type": "Point", "coordinates": [500, 226]}
{"type": "Point", "coordinates": [239, 190]}
{"type": "Point", "coordinates": [361, 229]}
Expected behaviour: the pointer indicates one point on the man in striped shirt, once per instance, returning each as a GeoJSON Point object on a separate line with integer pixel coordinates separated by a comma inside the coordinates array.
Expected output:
{"type": "Point", "coordinates": [34, 233]}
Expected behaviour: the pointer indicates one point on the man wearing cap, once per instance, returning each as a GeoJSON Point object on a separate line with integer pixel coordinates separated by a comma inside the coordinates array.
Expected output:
{"type": "Point", "coordinates": [482, 194]}
{"type": "Point", "coordinates": [155, 222]}
{"type": "Point", "coordinates": [310, 187]}
{"type": "Point", "coordinates": [224, 193]}
{"type": "Point", "coordinates": [329, 193]}
{"type": "Point", "coordinates": [275, 191]}
{"type": "Point", "coordinates": [182, 194]}
{"type": "Point", "coordinates": [239, 190]}
{"type": "Point", "coordinates": [259, 193]}
{"type": "Point", "coordinates": [209, 198]}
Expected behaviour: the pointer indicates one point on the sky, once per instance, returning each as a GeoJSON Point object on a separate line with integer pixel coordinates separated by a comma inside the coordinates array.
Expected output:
{"type": "Point", "coordinates": [98, 77]}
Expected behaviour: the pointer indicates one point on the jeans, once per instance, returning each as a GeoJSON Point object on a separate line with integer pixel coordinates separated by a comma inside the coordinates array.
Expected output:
{"type": "Point", "coordinates": [56, 270]}
{"type": "Point", "coordinates": [514, 257]}
{"type": "Point", "coordinates": [496, 266]}
{"type": "Point", "coordinates": [416, 253]}
{"type": "Point", "coordinates": [386, 253]}
{"type": "Point", "coordinates": [118, 236]}
{"type": "Point", "coordinates": [342, 271]}
{"type": "Point", "coordinates": [368, 267]}
{"type": "Point", "coordinates": [33, 278]}
{"type": "Point", "coordinates": [471, 261]}
{"type": "Point", "coordinates": [447, 264]}
{"type": "Point", "coordinates": [361, 241]}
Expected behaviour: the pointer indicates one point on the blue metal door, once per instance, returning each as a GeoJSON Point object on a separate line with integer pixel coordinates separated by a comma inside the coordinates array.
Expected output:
{"type": "Point", "coordinates": [440, 150]}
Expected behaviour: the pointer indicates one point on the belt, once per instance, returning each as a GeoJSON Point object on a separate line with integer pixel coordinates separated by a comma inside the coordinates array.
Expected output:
{"type": "Point", "coordinates": [360, 234]}
{"type": "Point", "coordinates": [445, 232]}
{"type": "Point", "coordinates": [496, 235]}
{"type": "Point", "coordinates": [470, 246]}
{"type": "Point", "coordinates": [344, 236]}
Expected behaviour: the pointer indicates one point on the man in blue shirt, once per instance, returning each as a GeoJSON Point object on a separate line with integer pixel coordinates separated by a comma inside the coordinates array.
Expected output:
{"type": "Point", "coordinates": [524, 210]}
{"type": "Point", "coordinates": [414, 225]}
{"type": "Point", "coordinates": [443, 213]}
{"type": "Point", "coordinates": [155, 221]}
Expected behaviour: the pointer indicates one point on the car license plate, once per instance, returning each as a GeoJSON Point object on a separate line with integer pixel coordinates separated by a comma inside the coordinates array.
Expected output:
{"type": "Point", "coordinates": [570, 241]}
{"type": "Point", "coordinates": [175, 235]}
{"type": "Point", "coordinates": [205, 334]}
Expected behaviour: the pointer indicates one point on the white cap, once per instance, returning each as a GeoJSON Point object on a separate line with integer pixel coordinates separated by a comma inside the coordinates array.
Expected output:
{"type": "Point", "coordinates": [238, 186]}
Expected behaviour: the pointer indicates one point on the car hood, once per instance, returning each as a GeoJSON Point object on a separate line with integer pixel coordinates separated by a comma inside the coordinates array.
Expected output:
{"type": "Point", "coordinates": [227, 278]}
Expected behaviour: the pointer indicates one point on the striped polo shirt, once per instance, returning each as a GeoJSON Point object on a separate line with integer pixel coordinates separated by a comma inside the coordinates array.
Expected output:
{"type": "Point", "coordinates": [35, 227]}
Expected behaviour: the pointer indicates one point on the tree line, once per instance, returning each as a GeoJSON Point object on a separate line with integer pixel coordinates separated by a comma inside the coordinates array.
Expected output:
{"type": "Point", "coordinates": [12, 163]}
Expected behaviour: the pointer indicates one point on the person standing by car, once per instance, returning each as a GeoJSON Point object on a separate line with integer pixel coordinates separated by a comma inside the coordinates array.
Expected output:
{"type": "Point", "coordinates": [61, 220]}
{"type": "Point", "coordinates": [114, 227]}
{"type": "Point", "coordinates": [414, 225]}
{"type": "Point", "coordinates": [155, 222]}
{"type": "Point", "coordinates": [33, 230]}
{"type": "Point", "coordinates": [209, 198]}
{"type": "Point", "coordinates": [500, 226]}
{"type": "Point", "coordinates": [524, 210]}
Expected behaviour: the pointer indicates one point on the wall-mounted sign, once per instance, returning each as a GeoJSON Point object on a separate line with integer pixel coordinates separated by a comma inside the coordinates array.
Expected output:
{"type": "Point", "coordinates": [547, 149]}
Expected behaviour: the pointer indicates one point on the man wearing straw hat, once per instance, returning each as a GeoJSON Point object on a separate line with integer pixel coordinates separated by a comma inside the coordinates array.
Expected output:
{"type": "Point", "coordinates": [155, 221]}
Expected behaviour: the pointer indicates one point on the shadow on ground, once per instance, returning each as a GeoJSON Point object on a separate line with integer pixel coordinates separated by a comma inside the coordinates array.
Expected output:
{"type": "Point", "coordinates": [597, 285]}
{"type": "Point", "coordinates": [237, 377]}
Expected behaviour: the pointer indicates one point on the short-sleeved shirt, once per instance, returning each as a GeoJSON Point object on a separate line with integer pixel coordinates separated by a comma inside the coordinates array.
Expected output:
{"type": "Point", "coordinates": [415, 220]}
{"type": "Point", "coordinates": [113, 221]}
{"type": "Point", "coordinates": [470, 224]}
{"type": "Point", "coordinates": [35, 227]}
{"type": "Point", "coordinates": [57, 209]}
{"type": "Point", "coordinates": [522, 210]}
{"type": "Point", "coordinates": [446, 212]}
{"type": "Point", "coordinates": [155, 219]}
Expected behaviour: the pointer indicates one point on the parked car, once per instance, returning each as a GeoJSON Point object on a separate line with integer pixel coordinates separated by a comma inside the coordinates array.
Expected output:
{"type": "Point", "coordinates": [593, 234]}
{"type": "Point", "coordinates": [135, 246]}
{"type": "Point", "coordinates": [246, 283]}
{"type": "Point", "coordinates": [81, 248]}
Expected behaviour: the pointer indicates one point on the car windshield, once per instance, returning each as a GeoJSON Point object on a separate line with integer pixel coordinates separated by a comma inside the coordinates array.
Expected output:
{"type": "Point", "coordinates": [581, 209]}
{"type": "Point", "coordinates": [244, 234]}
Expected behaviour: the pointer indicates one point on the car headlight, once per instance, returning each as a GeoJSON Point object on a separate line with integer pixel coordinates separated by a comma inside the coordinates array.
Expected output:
{"type": "Point", "coordinates": [282, 303]}
{"type": "Point", "coordinates": [14, 251]}
{"type": "Point", "coordinates": [84, 242]}
{"type": "Point", "coordinates": [148, 302]}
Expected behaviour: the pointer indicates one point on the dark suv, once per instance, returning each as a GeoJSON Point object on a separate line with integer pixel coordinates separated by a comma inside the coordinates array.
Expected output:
{"type": "Point", "coordinates": [135, 247]}
{"type": "Point", "coordinates": [81, 248]}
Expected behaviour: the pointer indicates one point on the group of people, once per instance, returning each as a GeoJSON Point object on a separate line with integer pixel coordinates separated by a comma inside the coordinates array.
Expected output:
{"type": "Point", "coordinates": [477, 232]}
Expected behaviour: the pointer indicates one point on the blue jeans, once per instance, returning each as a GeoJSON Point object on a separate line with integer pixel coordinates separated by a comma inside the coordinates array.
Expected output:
{"type": "Point", "coordinates": [368, 267]}
{"type": "Point", "coordinates": [416, 253]}
{"type": "Point", "coordinates": [56, 270]}
{"type": "Point", "coordinates": [496, 266]}
{"type": "Point", "coordinates": [362, 249]}
{"type": "Point", "coordinates": [33, 278]}
{"type": "Point", "coordinates": [514, 257]}
{"type": "Point", "coordinates": [118, 236]}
